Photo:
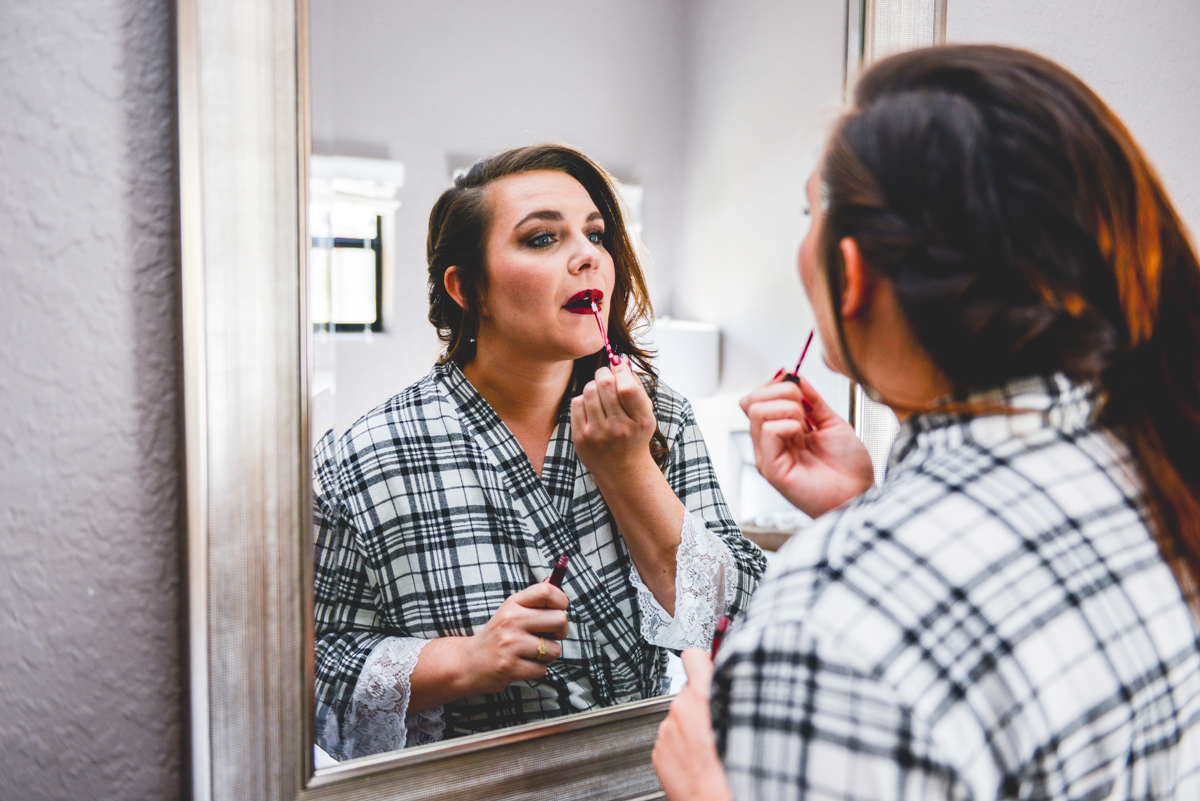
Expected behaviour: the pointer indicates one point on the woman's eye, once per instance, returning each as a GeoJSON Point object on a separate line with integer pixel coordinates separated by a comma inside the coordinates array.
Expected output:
{"type": "Point", "coordinates": [541, 240]}
{"type": "Point", "coordinates": [596, 237]}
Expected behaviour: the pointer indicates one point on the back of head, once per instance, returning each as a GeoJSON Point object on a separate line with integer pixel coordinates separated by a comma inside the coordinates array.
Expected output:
{"type": "Point", "coordinates": [1025, 233]}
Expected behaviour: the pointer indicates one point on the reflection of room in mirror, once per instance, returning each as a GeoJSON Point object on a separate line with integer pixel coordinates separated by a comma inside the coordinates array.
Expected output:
{"type": "Point", "coordinates": [715, 113]}
{"type": "Point", "coordinates": [708, 114]}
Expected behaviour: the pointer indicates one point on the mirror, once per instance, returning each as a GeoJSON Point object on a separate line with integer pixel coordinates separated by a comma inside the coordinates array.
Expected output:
{"type": "Point", "coordinates": [748, 92]}
{"type": "Point", "coordinates": [710, 116]}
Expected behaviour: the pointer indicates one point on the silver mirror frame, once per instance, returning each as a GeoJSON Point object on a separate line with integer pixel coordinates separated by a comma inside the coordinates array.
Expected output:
{"type": "Point", "coordinates": [889, 26]}
{"type": "Point", "coordinates": [243, 144]}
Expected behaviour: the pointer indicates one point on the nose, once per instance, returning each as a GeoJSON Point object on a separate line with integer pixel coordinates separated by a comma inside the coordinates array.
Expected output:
{"type": "Point", "coordinates": [586, 256]}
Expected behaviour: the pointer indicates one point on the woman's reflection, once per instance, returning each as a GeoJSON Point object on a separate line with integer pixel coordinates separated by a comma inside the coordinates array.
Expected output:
{"type": "Point", "coordinates": [440, 512]}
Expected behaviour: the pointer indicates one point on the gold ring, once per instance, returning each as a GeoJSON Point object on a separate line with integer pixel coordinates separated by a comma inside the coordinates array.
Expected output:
{"type": "Point", "coordinates": [541, 648]}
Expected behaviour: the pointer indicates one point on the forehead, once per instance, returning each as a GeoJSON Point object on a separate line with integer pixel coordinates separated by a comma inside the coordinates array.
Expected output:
{"type": "Point", "coordinates": [551, 190]}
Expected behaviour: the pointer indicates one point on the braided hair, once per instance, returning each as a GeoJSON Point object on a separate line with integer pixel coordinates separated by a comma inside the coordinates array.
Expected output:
{"type": "Point", "coordinates": [1024, 233]}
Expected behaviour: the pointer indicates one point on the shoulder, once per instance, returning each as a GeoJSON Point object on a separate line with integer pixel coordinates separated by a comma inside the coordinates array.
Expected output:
{"type": "Point", "coordinates": [423, 401]}
{"type": "Point", "coordinates": [415, 419]}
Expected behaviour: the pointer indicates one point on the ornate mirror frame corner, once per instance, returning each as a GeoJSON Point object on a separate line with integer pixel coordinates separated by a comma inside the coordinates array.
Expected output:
{"type": "Point", "coordinates": [243, 142]}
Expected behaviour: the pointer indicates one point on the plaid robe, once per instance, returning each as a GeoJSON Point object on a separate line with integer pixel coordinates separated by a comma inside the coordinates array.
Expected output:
{"type": "Point", "coordinates": [429, 515]}
{"type": "Point", "coordinates": [994, 621]}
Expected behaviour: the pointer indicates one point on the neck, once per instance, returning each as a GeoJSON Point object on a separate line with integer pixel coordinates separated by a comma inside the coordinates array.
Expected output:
{"type": "Point", "coordinates": [523, 391]}
{"type": "Point", "coordinates": [891, 359]}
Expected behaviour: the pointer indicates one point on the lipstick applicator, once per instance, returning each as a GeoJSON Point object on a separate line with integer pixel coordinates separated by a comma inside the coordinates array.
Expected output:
{"type": "Point", "coordinates": [612, 358]}
{"type": "Point", "coordinates": [794, 376]}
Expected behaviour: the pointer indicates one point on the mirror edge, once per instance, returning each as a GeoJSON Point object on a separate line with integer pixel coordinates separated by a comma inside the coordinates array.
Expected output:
{"type": "Point", "coordinates": [243, 141]}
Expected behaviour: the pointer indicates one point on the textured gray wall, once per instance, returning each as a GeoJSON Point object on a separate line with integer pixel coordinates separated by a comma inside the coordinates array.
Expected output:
{"type": "Point", "coordinates": [91, 542]}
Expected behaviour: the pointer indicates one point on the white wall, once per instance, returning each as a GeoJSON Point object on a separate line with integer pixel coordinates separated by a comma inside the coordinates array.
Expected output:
{"type": "Point", "coordinates": [1141, 56]}
{"type": "Point", "coordinates": [92, 693]}
{"type": "Point", "coordinates": [765, 82]}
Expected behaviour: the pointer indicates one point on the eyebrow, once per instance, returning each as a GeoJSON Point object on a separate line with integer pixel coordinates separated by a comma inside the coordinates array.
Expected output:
{"type": "Point", "coordinates": [554, 216]}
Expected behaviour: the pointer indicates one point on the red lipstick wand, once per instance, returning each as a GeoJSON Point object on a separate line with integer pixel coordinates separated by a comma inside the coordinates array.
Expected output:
{"type": "Point", "coordinates": [794, 376]}
{"type": "Point", "coordinates": [722, 627]}
{"type": "Point", "coordinates": [612, 359]}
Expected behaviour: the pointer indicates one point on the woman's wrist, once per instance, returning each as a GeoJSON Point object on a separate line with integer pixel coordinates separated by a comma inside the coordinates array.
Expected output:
{"type": "Point", "coordinates": [443, 673]}
{"type": "Point", "coordinates": [617, 473]}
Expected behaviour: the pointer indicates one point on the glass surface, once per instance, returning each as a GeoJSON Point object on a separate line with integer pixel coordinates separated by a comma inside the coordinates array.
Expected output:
{"type": "Point", "coordinates": [710, 114]}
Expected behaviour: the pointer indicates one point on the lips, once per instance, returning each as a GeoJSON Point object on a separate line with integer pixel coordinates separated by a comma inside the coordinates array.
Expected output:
{"type": "Point", "coordinates": [581, 302]}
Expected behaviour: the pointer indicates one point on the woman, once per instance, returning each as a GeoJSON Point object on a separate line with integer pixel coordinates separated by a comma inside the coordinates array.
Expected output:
{"type": "Point", "coordinates": [1007, 615]}
{"type": "Point", "coordinates": [441, 512]}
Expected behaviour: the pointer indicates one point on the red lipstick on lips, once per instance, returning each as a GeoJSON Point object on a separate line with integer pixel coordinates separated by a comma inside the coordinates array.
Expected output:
{"type": "Point", "coordinates": [582, 303]}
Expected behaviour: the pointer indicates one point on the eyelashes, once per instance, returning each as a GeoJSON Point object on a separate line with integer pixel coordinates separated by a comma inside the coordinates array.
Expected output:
{"type": "Point", "coordinates": [544, 239]}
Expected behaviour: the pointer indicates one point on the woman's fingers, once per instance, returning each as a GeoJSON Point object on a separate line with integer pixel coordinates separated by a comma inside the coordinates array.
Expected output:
{"type": "Point", "coordinates": [541, 649]}
{"type": "Point", "coordinates": [613, 417]}
{"type": "Point", "coordinates": [699, 668]}
{"type": "Point", "coordinates": [579, 418]}
{"type": "Point", "coordinates": [616, 394]}
{"type": "Point", "coordinates": [818, 410]}
{"type": "Point", "coordinates": [541, 596]}
{"type": "Point", "coordinates": [631, 393]}
{"type": "Point", "coordinates": [778, 435]}
{"type": "Point", "coordinates": [780, 409]}
{"type": "Point", "coordinates": [601, 395]}
{"type": "Point", "coordinates": [597, 418]}
{"type": "Point", "coordinates": [546, 622]}
{"type": "Point", "coordinates": [685, 754]}
{"type": "Point", "coordinates": [775, 390]}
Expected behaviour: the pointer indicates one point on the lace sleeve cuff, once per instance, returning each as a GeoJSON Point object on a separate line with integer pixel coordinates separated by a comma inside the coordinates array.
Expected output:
{"type": "Point", "coordinates": [705, 580]}
{"type": "Point", "coordinates": [379, 719]}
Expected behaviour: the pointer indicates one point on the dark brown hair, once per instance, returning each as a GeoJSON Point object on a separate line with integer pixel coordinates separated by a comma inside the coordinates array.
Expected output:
{"type": "Point", "coordinates": [1024, 233]}
{"type": "Point", "coordinates": [458, 231]}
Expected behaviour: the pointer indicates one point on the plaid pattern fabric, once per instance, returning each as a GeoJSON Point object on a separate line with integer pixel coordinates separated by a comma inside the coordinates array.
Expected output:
{"type": "Point", "coordinates": [429, 515]}
{"type": "Point", "coordinates": [994, 621]}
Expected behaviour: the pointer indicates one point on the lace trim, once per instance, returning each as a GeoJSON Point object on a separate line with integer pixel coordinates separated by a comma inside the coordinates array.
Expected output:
{"type": "Point", "coordinates": [705, 580]}
{"type": "Point", "coordinates": [379, 719]}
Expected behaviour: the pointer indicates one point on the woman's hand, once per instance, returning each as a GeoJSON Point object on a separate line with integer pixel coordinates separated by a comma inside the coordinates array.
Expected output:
{"type": "Point", "coordinates": [506, 648]}
{"type": "Point", "coordinates": [806, 451]}
{"type": "Point", "coordinates": [685, 754]}
{"type": "Point", "coordinates": [612, 421]}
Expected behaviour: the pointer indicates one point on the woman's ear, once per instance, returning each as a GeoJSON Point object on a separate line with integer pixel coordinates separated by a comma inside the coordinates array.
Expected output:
{"type": "Point", "coordinates": [453, 283]}
{"type": "Point", "coordinates": [857, 282]}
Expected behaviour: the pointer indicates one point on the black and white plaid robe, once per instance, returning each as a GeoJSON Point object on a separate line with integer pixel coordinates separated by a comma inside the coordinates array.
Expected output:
{"type": "Point", "coordinates": [429, 515]}
{"type": "Point", "coordinates": [994, 621]}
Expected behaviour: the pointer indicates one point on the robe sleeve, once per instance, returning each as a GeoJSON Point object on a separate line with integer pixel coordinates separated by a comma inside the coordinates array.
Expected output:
{"type": "Point", "coordinates": [362, 673]}
{"type": "Point", "coordinates": [705, 581]}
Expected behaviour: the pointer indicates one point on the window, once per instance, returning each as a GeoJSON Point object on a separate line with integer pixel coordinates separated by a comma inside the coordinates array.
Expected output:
{"type": "Point", "coordinates": [346, 272]}
{"type": "Point", "coordinates": [352, 216]}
